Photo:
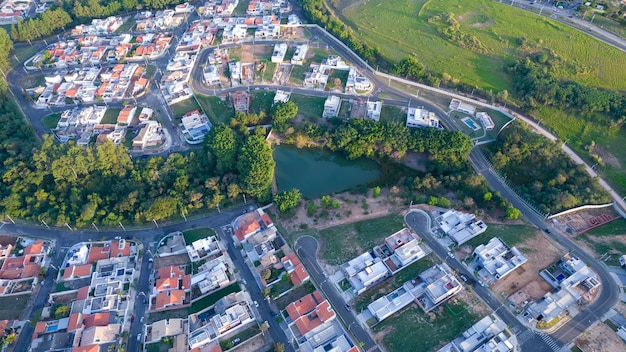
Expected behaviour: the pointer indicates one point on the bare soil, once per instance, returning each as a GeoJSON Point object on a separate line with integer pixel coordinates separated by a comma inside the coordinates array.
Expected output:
{"type": "Point", "coordinates": [66, 298]}
{"type": "Point", "coordinates": [179, 259]}
{"type": "Point", "coordinates": [251, 53]}
{"type": "Point", "coordinates": [540, 253]}
{"type": "Point", "coordinates": [255, 344]}
{"type": "Point", "coordinates": [350, 210]}
{"type": "Point", "coordinates": [579, 222]}
{"type": "Point", "coordinates": [600, 338]}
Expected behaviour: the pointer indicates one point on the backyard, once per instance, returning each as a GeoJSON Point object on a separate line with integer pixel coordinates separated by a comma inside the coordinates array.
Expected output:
{"type": "Point", "coordinates": [210, 300]}
{"type": "Point", "coordinates": [197, 234]}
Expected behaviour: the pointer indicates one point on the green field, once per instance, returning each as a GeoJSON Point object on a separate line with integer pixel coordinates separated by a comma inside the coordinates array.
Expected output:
{"type": "Point", "coordinates": [512, 235]}
{"type": "Point", "coordinates": [345, 242]}
{"type": "Point", "coordinates": [217, 111]}
{"type": "Point", "coordinates": [213, 297]}
{"type": "Point", "coordinates": [50, 121]}
{"type": "Point", "coordinates": [488, 37]}
{"type": "Point", "coordinates": [309, 107]}
{"type": "Point", "coordinates": [602, 243]}
{"type": "Point", "coordinates": [392, 114]}
{"type": "Point", "coordinates": [197, 234]}
{"type": "Point", "coordinates": [110, 116]}
{"type": "Point", "coordinates": [181, 108]}
{"type": "Point", "coordinates": [261, 101]}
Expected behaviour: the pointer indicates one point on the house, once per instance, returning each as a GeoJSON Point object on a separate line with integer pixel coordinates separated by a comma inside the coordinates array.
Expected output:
{"type": "Point", "coordinates": [308, 313]}
{"type": "Point", "coordinates": [278, 55]}
{"type": "Point", "coordinates": [165, 328]}
{"type": "Point", "coordinates": [497, 260]}
{"type": "Point", "coordinates": [460, 227]}
{"type": "Point", "coordinates": [203, 248]}
{"type": "Point", "coordinates": [391, 303]}
{"type": "Point", "coordinates": [25, 265]}
{"type": "Point", "coordinates": [127, 115]}
{"type": "Point", "coordinates": [488, 334]}
{"type": "Point", "coordinates": [145, 114]}
{"type": "Point", "coordinates": [331, 106]}
{"type": "Point", "coordinates": [356, 82]}
{"type": "Point", "coordinates": [316, 77]}
{"type": "Point", "coordinates": [486, 120]}
{"type": "Point", "coordinates": [169, 299]}
{"type": "Point", "coordinates": [295, 269]}
{"type": "Point", "coordinates": [460, 106]}
{"type": "Point", "coordinates": [622, 261]}
{"type": "Point", "coordinates": [300, 54]}
{"type": "Point", "coordinates": [211, 75]}
{"type": "Point", "coordinates": [77, 272]}
{"type": "Point", "coordinates": [400, 250]}
{"type": "Point", "coordinates": [419, 117]}
{"type": "Point", "coordinates": [281, 97]}
{"type": "Point", "coordinates": [364, 271]}
{"type": "Point", "coordinates": [195, 126]}
{"type": "Point", "coordinates": [250, 224]}
{"type": "Point", "coordinates": [172, 278]}
{"type": "Point", "coordinates": [214, 275]}
{"type": "Point", "coordinates": [434, 286]}
{"type": "Point", "coordinates": [373, 110]}
{"type": "Point", "coordinates": [150, 135]}
{"type": "Point", "coordinates": [240, 100]}
{"type": "Point", "coordinates": [100, 334]}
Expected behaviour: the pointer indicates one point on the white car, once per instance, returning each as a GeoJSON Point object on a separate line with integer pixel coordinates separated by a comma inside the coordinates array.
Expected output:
{"type": "Point", "coordinates": [256, 304]}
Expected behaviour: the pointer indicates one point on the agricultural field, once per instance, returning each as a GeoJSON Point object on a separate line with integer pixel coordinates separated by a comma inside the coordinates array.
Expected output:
{"type": "Point", "coordinates": [474, 41]}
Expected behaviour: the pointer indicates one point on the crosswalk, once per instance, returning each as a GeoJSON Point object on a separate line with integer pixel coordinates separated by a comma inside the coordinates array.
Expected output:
{"type": "Point", "coordinates": [528, 335]}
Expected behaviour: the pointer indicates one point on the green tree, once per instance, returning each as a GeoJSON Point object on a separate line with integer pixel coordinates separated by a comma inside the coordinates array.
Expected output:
{"type": "Point", "coordinates": [326, 201]}
{"type": "Point", "coordinates": [256, 166]}
{"type": "Point", "coordinates": [287, 200]}
{"type": "Point", "coordinates": [266, 274]}
{"type": "Point", "coordinates": [62, 311]}
{"type": "Point", "coordinates": [513, 213]}
{"type": "Point", "coordinates": [311, 208]}
{"type": "Point", "coordinates": [221, 142]}
{"type": "Point", "coordinates": [376, 192]}
{"type": "Point", "coordinates": [283, 113]}
{"type": "Point", "coordinates": [409, 67]}
{"type": "Point", "coordinates": [278, 347]}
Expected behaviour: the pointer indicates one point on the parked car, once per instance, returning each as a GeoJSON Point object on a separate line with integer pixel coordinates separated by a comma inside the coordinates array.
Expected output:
{"type": "Point", "coordinates": [138, 337]}
{"type": "Point", "coordinates": [451, 255]}
{"type": "Point", "coordinates": [256, 304]}
{"type": "Point", "coordinates": [243, 281]}
{"type": "Point", "coordinates": [236, 341]}
{"type": "Point", "coordinates": [141, 320]}
{"type": "Point", "coordinates": [132, 319]}
{"type": "Point", "coordinates": [347, 307]}
{"type": "Point", "coordinates": [463, 277]}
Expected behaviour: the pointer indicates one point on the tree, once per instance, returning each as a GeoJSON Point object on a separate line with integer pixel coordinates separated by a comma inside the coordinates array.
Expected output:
{"type": "Point", "coordinates": [326, 201]}
{"type": "Point", "coordinates": [222, 143]}
{"type": "Point", "coordinates": [512, 213]}
{"type": "Point", "coordinates": [62, 311]}
{"type": "Point", "coordinates": [256, 166]}
{"type": "Point", "coordinates": [283, 113]}
{"type": "Point", "coordinates": [311, 208]}
{"type": "Point", "coordinates": [287, 200]}
{"type": "Point", "coordinates": [266, 274]}
{"type": "Point", "coordinates": [409, 67]}
{"type": "Point", "coordinates": [278, 347]}
{"type": "Point", "coordinates": [376, 192]}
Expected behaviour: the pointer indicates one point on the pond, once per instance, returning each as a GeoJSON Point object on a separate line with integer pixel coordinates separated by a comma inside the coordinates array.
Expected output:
{"type": "Point", "coordinates": [317, 172]}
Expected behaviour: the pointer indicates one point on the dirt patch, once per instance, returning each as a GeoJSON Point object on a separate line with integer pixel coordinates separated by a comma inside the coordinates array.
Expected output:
{"type": "Point", "coordinates": [6, 240]}
{"type": "Point", "coordinates": [66, 298]}
{"type": "Point", "coordinates": [416, 161]}
{"type": "Point", "coordinates": [253, 53]}
{"type": "Point", "coordinates": [352, 208]}
{"type": "Point", "coordinates": [600, 338]}
{"type": "Point", "coordinates": [179, 259]}
{"type": "Point", "coordinates": [257, 343]}
{"type": "Point", "coordinates": [607, 240]}
{"type": "Point", "coordinates": [470, 299]}
{"type": "Point", "coordinates": [579, 222]}
{"type": "Point", "coordinates": [607, 157]}
{"type": "Point", "coordinates": [540, 253]}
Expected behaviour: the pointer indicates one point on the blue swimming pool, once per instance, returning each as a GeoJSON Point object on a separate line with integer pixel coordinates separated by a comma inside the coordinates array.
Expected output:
{"type": "Point", "coordinates": [470, 123]}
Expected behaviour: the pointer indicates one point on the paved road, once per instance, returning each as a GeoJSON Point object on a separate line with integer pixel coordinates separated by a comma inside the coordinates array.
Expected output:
{"type": "Point", "coordinates": [140, 303]}
{"type": "Point", "coordinates": [529, 341]}
{"type": "Point", "coordinates": [306, 248]}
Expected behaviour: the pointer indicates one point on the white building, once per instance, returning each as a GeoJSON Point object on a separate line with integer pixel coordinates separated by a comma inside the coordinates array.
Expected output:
{"type": "Point", "coordinates": [486, 120]}
{"type": "Point", "coordinates": [214, 278]}
{"type": "Point", "coordinates": [195, 126]}
{"type": "Point", "coordinates": [332, 106]}
{"type": "Point", "coordinates": [364, 271]}
{"type": "Point", "coordinates": [497, 260]}
{"type": "Point", "coordinates": [460, 227]}
{"type": "Point", "coordinates": [460, 106]}
{"type": "Point", "coordinates": [400, 250]}
{"type": "Point", "coordinates": [300, 54]}
{"type": "Point", "coordinates": [203, 248]}
{"type": "Point", "coordinates": [391, 303]}
{"type": "Point", "coordinates": [373, 110]}
{"type": "Point", "coordinates": [281, 97]}
{"type": "Point", "coordinates": [489, 334]}
{"type": "Point", "coordinates": [419, 117]}
{"type": "Point", "coordinates": [435, 286]}
{"type": "Point", "coordinates": [211, 75]}
{"type": "Point", "coordinates": [278, 55]}
{"type": "Point", "coordinates": [357, 82]}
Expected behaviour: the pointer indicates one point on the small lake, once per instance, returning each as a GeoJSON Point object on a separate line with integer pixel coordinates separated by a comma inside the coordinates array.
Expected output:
{"type": "Point", "coordinates": [317, 172]}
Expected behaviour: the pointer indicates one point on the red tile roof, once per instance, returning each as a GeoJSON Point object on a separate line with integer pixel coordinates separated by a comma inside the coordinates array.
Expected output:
{"type": "Point", "coordinates": [322, 313]}
{"type": "Point", "coordinates": [169, 298]}
{"type": "Point", "coordinates": [117, 252]}
{"type": "Point", "coordinates": [34, 248]}
{"type": "Point", "coordinates": [97, 319]}
{"type": "Point", "coordinates": [304, 305]}
{"type": "Point", "coordinates": [125, 115]}
{"type": "Point", "coordinates": [88, 348]}
{"type": "Point", "coordinates": [98, 253]}
{"type": "Point", "coordinates": [75, 322]}
{"type": "Point", "coordinates": [77, 271]}
{"type": "Point", "coordinates": [299, 275]}
{"type": "Point", "coordinates": [83, 293]}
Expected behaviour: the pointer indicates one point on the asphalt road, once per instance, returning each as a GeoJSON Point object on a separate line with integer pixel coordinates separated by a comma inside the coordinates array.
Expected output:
{"type": "Point", "coordinates": [306, 248]}
{"type": "Point", "coordinates": [139, 307]}
{"type": "Point", "coordinates": [529, 341]}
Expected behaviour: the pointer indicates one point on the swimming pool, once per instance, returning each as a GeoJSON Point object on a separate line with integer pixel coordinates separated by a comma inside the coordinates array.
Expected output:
{"type": "Point", "coordinates": [470, 123]}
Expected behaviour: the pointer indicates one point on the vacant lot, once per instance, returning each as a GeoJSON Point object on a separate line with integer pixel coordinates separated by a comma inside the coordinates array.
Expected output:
{"type": "Point", "coordinates": [197, 234]}
{"type": "Point", "coordinates": [213, 297]}
{"type": "Point", "coordinates": [600, 338]}
{"type": "Point", "coordinates": [608, 241]}
{"type": "Point", "coordinates": [217, 111]}
{"type": "Point", "coordinates": [13, 307]}
{"type": "Point", "coordinates": [344, 242]}
{"type": "Point", "coordinates": [479, 40]}
{"type": "Point", "coordinates": [181, 108]}
{"type": "Point", "coordinates": [413, 330]}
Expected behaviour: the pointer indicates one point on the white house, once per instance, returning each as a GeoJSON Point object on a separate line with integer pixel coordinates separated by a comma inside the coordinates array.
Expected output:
{"type": "Point", "coordinates": [497, 259]}
{"type": "Point", "coordinates": [373, 110]}
{"type": "Point", "coordinates": [486, 120]}
{"type": "Point", "coordinates": [364, 271]}
{"type": "Point", "coordinates": [419, 117]}
{"type": "Point", "coordinates": [278, 55]}
{"type": "Point", "coordinates": [460, 106]}
{"type": "Point", "coordinates": [300, 54]}
{"type": "Point", "coordinates": [332, 106]}
{"type": "Point", "coordinates": [460, 227]}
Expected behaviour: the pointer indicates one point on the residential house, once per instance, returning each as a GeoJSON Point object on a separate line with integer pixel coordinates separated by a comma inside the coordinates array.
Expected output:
{"type": "Point", "coordinates": [281, 97]}
{"type": "Point", "coordinates": [400, 250]}
{"type": "Point", "coordinates": [27, 264]}
{"type": "Point", "coordinates": [373, 110]}
{"type": "Point", "coordinates": [497, 260]}
{"type": "Point", "coordinates": [211, 75]}
{"type": "Point", "coordinates": [195, 126]}
{"type": "Point", "coordinates": [150, 135]}
{"type": "Point", "coordinates": [356, 82]}
{"type": "Point", "coordinates": [419, 117]}
{"type": "Point", "coordinates": [204, 248]}
{"type": "Point", "coordinates": [434, 286]}
{"type": "Point", "coordinates": [488, 334]}
{"type": "Point", "coordinates": [295, 269]}
{"type": "Point", "coordinates": [331, 106]}
{"type": "Point", "coordinates": [391, 303]}
{"type": "Point", "coordinates": [456, 104]}
{"type": "Point", "coordinates": [300, 54]}
{"type": "Point", "coordinates": [308, 313]}
{"type": "Point", "coordinates": [214, 276]}
{"type": "Point", "coordinates": [251, 223]}
{"type": "Point", "coordinates": [364, 271]}
{"type": "Point", "coordinates": [460, 227]}
{"type": "Point", "coordinates": [77, 272]}
{"type": "Point", "coordinates": [486, 120]}
{"type": "Point", "coordinates": [156, 331]}
{"type": "Point", "coordinates": [278, 55]}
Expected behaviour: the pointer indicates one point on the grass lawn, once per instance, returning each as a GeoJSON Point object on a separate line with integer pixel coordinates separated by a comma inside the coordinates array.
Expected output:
{"type": "Point", "coordinates": [158, 347]}
{"type": "Point", "coordinates": [309, 107]}
{"type": "Point", "coordinates": [512, 235]}
{"type": "Point", "coordinates": [410, 272]}
{"type": "Point", "coordinates": [616, 227]}
{"type": "Point", "coordinates": [269, 71]}
{"type": "Point", "coordinates": [23, 53]}
{"type": "Point", "coordinates": [50, 121]}
{"type": "Point", "coordinates": [499, 119]}
{"type": "Point", "coordinates": [295, 295]}
{"type": "Point", "coordinates": [435, 329]}
{"type": "Point", "coordinates": [181, 108]}
{"type": "Point", "coordinates": [600, 240]}
{"type": "Point", "coordinates": [216, 110]}
{"type": "Point", "coordinates": [244, 335]}
{"type": "Point", "coordinates": [345, 242]}
{"type": "Point", "coordinates": [390, 113]}
{"type": "Point", "coordinates": [280, 287]}
{"type": "Point", "coordinates": [127, 26]}
{"type": "Point", "coordinates": [261, 101]}
{"type": "Point", "coordinates": [241, 8]}
{"type": "Point", "coordinates": [197, 234]}
{"type": "Point", "coordinates": [182, 313]}
{"type": "Point", "coordinates": [150, 70]}
{"type": "Point", "coordinates": [404, 27]}
{"type": "Point", "coordinates": [12, 307]}
{"type": "Point", "coordinates": [110, 116]}
{"type": "Point", "coordinates": [337, 79]}
{"type": "Point", "coordinates": [210, 300]}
